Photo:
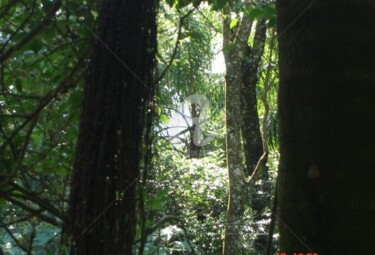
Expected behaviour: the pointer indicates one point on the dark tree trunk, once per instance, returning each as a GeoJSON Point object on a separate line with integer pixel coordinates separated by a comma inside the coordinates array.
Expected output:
{"type": "Point", "coordinates": [253, 145]}
{"type": "Point", "coordinates": [327, 123]}
{"type": "Point", "coordinates": [106, 168]}
{"type": "Point", "coordinates": [250, 128]}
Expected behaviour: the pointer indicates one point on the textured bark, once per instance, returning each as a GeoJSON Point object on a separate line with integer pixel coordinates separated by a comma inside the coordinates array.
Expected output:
{"type": "Point", "coordinates": [232, 239]}
{"type": "Point", "coordinates": [253, 145]}
{"type": "Point", "coordinates": [106, 168]}
{"type": "Point", "coordinates": [242, 65]}
{"type": "Point", "coordinates": [327, 123]}
{"type": "Point", "coordinates": [252, 138]}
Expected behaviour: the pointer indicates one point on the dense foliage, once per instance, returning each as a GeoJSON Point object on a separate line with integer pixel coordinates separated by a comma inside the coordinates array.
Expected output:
{"type": "Point", "coordinates": [44, 56]}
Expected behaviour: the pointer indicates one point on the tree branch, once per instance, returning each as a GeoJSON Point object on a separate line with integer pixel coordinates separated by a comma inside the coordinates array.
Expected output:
{"type": "Point", "coordinates": [31, 196]}
{"type": "Point", "coordinates": [44, 23]}
{"type": "Point", "coordinates": [34, 212]}
{"type": "Point", "coordinates": [19, 244]}
{"type": "Point", "coordinates": [261, 165]}
{"type": "Point", "coordinates": [177, 44]}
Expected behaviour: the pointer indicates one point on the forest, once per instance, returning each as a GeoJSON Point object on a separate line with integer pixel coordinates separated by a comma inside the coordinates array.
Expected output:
{"type": "Point", "coordinates": [187, 127]}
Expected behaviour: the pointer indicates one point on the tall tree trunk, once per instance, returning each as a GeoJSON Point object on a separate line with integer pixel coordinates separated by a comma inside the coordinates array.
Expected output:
{"type": "Point", "coordinates": [232, 238]}
{"type": "Point", "coordinates": [106, 168]}
{"type": "Point", "coordinates": [250, 128]}
{"type": "Point", "coordinates": [253, 144]}
{"type": "Point", "coordinates": [327, 123]}
{"type": "Point", "coordinates": [242, 63]}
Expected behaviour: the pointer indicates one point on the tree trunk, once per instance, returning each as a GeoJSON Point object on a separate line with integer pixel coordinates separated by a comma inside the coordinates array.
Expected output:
{"type": "Point", "coordinates": [252, 138]}
{"type": "Point", "coordinates": [106, 168]}
{"type": "Point", "coordinates": [253, 144]}
{"type": "Point", "coordinates": [242, 65]}
{"type": "Point", "coordinates": [327, 123]}
{"type": "Point", "coordinates": [232, 238]}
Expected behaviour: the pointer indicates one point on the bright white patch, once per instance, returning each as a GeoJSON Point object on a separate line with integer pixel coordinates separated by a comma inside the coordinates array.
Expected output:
{"type": "Point", "coordinates": [218, 63]}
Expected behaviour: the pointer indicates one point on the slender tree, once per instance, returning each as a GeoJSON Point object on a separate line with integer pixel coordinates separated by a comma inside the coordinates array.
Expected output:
{"type": "Point", "coordinates": [242, 63]}
{"type": "Point", "coordinates": [103, 195]}
{"type": "Point", "coordinates": [327, 123]}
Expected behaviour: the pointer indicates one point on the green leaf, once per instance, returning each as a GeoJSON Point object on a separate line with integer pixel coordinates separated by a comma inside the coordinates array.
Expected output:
{"type": "Point", "coordinates": [271, 22]}
{"type": "Point", "coordinates": [182, 3]}
{"type": "Point", "coordinates": [37, 137]}
{"type": "Point", "coordinates": [156, 205]}
{"type": "Point", "coordinates": [158, 110]}
{"type": "Point", "coordinates": [75, 101]}
{"type": "Point", "coordinates": [195, 35]}
{"type": "Point", "coordinates": [255, 13]}
{"type": "Point", "coordinates": [169, 16]}
{"type": "Point", "coordinates": [35, 45]}
{"type": "Point", "coordinates": [164, 118]}
{"type": "Point", "coordinates": [6, 165]}
{"type": "Point", "coordinates": [28, 53]}
{"type": "Point", "coordinates": [18, 85]}
{"type": "Point", "coordinates": [171, 3]}
{"type": "Point", "coordinates": [220, 4]}
{"type": "Point", "coordinates": [269, 12]}
{"type": "Point", "coordinates": [233, 23]}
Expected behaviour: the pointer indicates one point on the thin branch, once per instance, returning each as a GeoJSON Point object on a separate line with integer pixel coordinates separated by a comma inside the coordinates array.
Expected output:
{"type": "Point", "coordinates": [43, 204]}
{"type": "Point", "coordinates": [23, 247]}
{"type": "Point", "coordinates": [177, 44]}
{"type": "Point", "coordinates": [15, 116]}
{"type": "Point", "coordinates": [33, 97]}
{"type": "Point", "coordinates": [26, 218]}
{"type": "Point", "coordinates": [34, 212]}
{"type": "Point", "coordinates": [31, 238]}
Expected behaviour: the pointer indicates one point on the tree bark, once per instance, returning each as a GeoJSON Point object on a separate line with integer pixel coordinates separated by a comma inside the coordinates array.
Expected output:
{"type": "Point", "coordinates": [102, 205]}
{"type": "Point", "coordinates": [250, 128]}
{"type": "Point", "coordinates": [242, 63]}
{"type": "Point", "coordinates": [232, 243]}
{"type": "Point", "coordinates": [327, 123]}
